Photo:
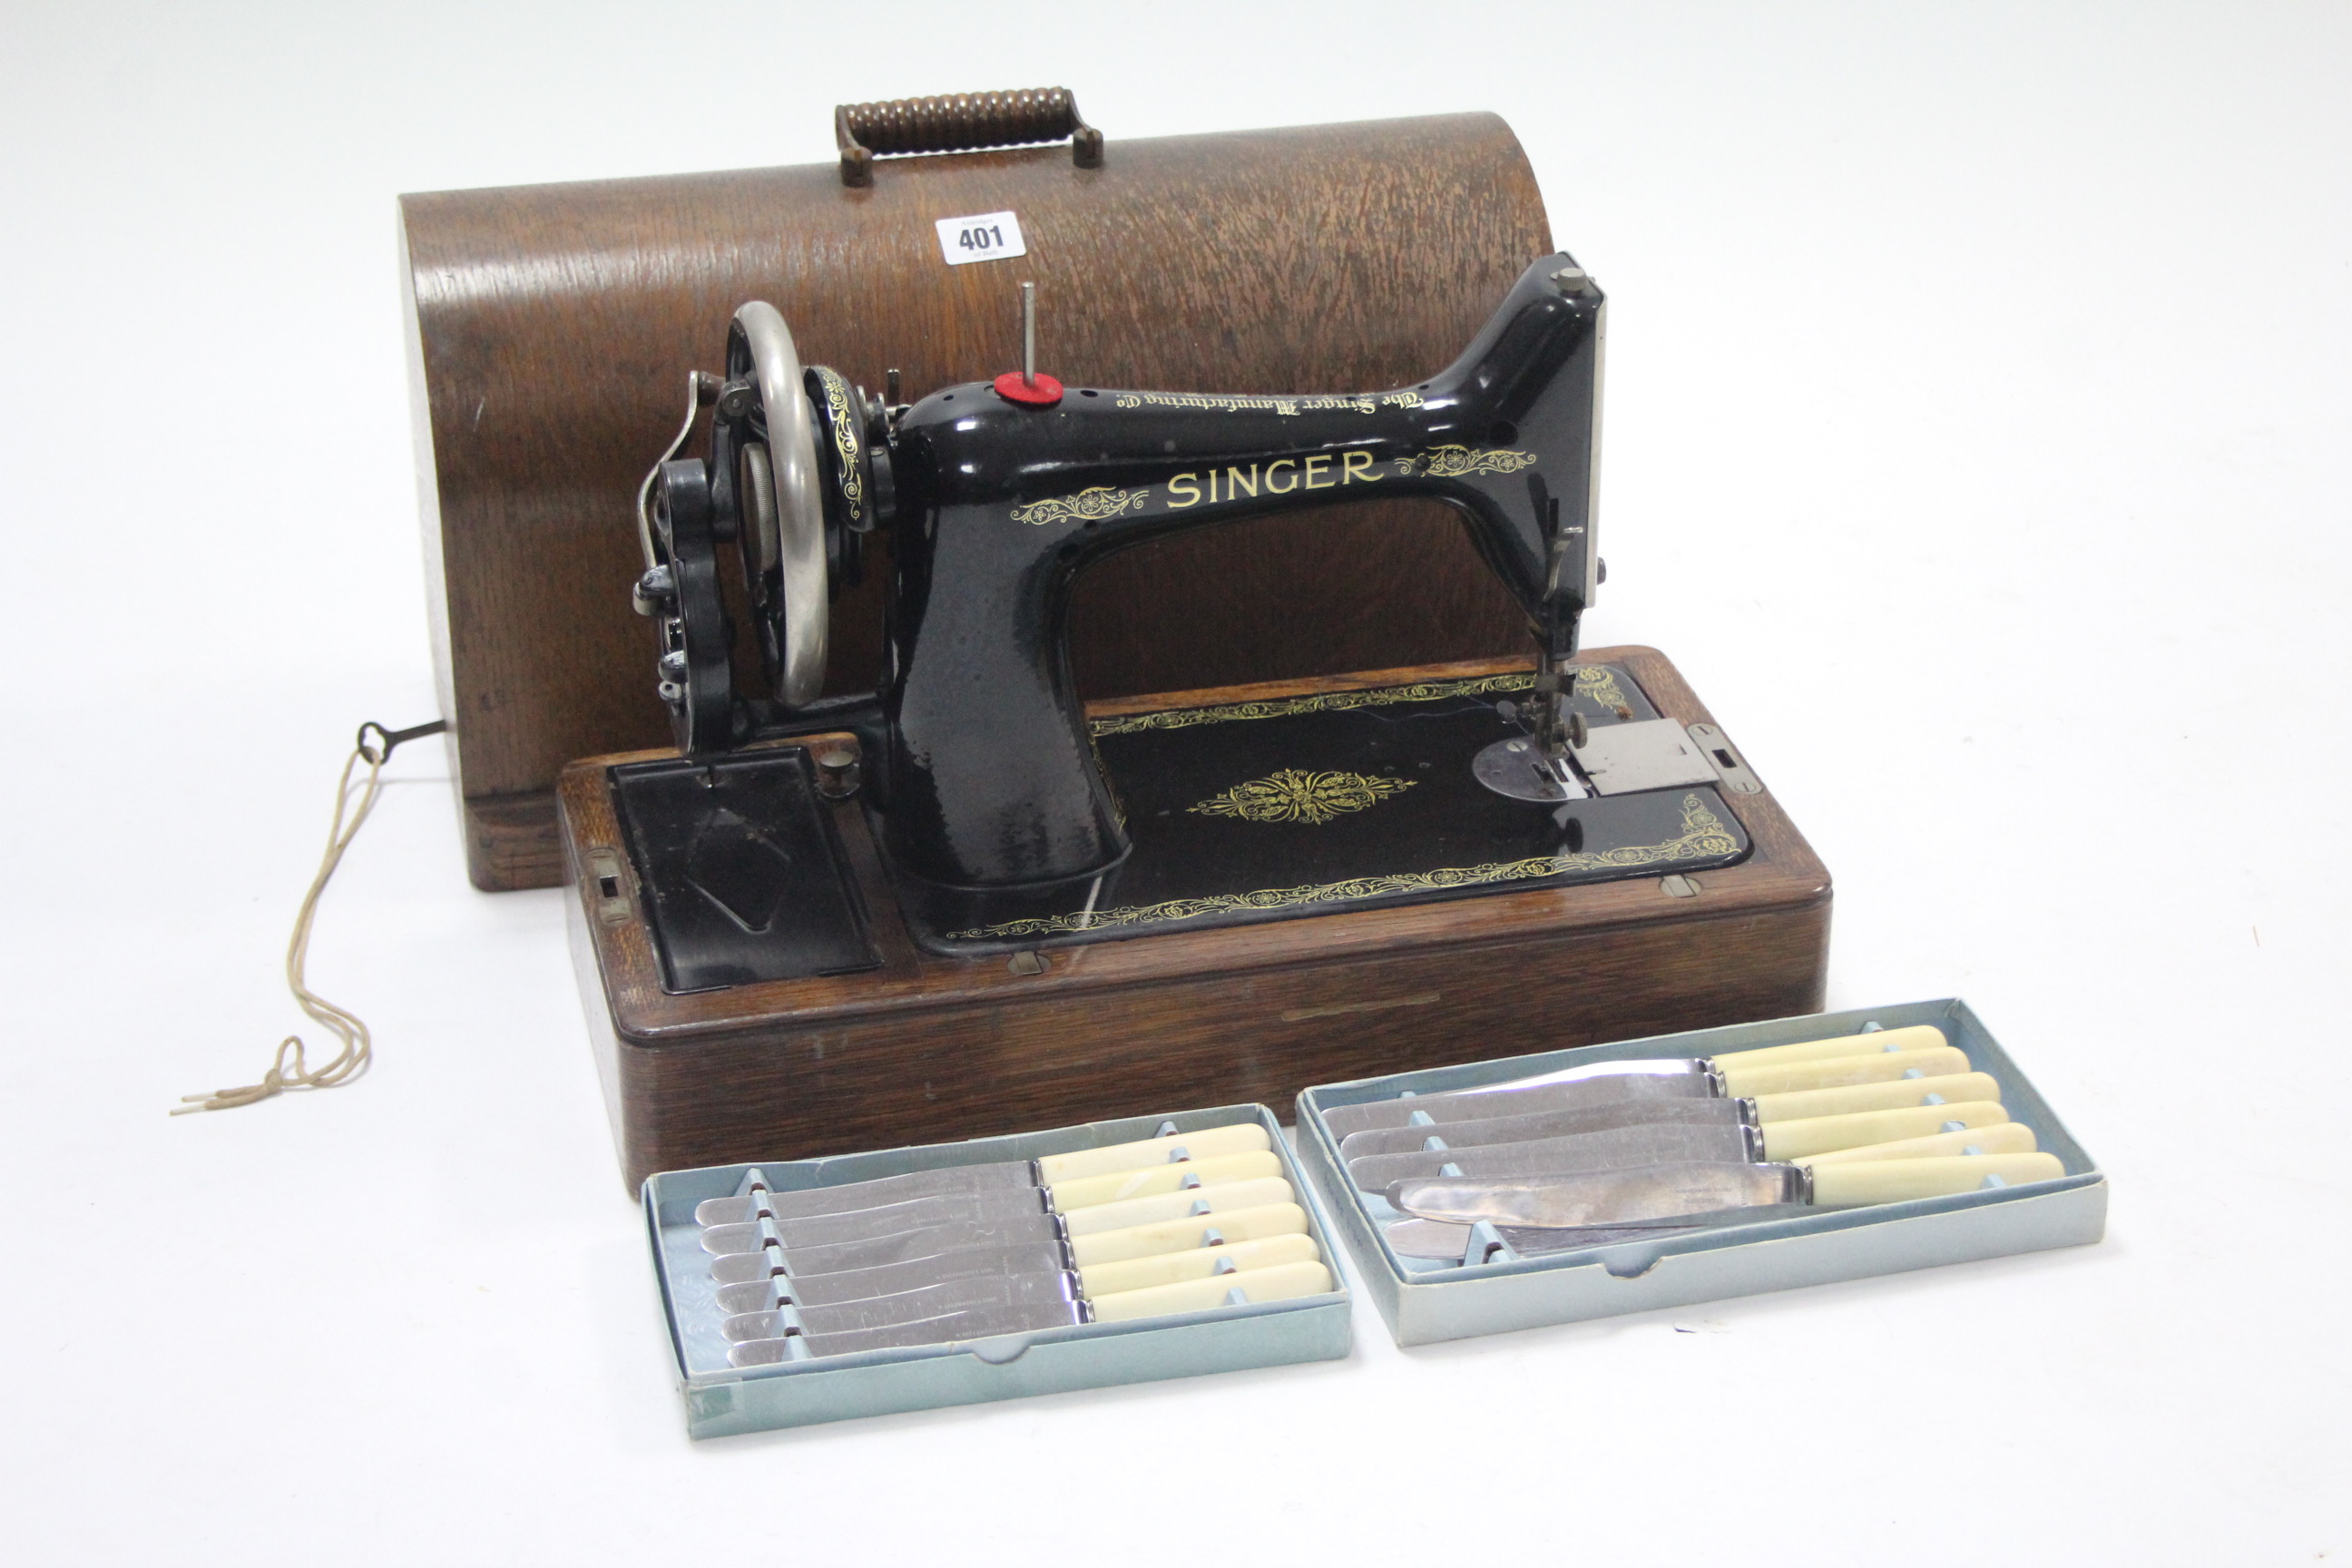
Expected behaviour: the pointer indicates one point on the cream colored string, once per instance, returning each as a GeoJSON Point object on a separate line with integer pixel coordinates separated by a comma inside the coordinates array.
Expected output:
{"type": "Point", "coordinates": [343, 1023]}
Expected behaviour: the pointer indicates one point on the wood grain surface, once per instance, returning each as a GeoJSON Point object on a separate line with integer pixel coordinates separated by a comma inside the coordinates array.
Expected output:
{"type": "Point", "coordinates": [926, 1048]}
{"type": "Point", "coordinates": [553, 328]}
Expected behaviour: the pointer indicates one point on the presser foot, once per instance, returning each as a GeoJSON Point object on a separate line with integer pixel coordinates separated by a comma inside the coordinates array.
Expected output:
{"type": "Point", "coordinates": [1534, 765]}
{"type": "Point", "coordinates": [1518, 768]}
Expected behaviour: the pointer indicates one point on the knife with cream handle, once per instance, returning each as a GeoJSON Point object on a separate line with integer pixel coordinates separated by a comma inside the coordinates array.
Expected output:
{"type": "Point", "coordinates": [1458, 1145]}
{"type": "Point", "coordinates": [1101, 1247]}
{"type": "Point", "coordinates": [1858, 1136]}
{"type": "Point", "coordinates": [1600, 1083]}
{"type": "Point", "coordinates": [1278, 1282]}
{"type": "Point", "coordinates": [1149, 1162]}
{"type": "Point", "coordinates": [1540, 1121]}
{"type": "Point", "coordinates": [1078, 1191]}
{"type": "Point", "coordinates": [1891, 1094]}
{"type": "Point", "coordinates": [1669, 1192]}
{"type": "Point", "coordinates": [1630, 1146]}
{"type": "Point", "coordinates": [1917, 1037]}
{"type": "Point", "coordinates": [822, 1308]}
{"type": "Point", "coordinates": [920, 1214]}
{"type": "Point", "coordinates": [1448, 1241]}
{"type": "Point", "coordinates": [769, 1289]}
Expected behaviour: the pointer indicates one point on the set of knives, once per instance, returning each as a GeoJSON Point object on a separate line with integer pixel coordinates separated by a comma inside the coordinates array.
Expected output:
{"type": "Point", "coordinates": [1619, 1150]}
{"type": "Point", "coordinates": [1180, 1223]}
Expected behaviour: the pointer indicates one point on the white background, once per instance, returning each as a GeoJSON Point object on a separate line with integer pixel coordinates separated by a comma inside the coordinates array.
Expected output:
{"type": "Point", "coordinates": [1977, 444]}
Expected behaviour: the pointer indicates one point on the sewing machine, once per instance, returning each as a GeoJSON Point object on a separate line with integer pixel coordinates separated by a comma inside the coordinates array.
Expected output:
{"type": "Point", "coordinates": [968, 901]}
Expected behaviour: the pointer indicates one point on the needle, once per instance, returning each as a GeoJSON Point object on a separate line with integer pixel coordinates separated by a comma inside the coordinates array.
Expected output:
{"type": "Point", "coordinates": [1028, 334]}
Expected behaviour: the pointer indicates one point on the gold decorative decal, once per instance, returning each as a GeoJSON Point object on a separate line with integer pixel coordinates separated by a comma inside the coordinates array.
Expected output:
{"type": "Point", "coordinates": [1452, 462]}
{"type": "Point", "coordinates": [844, 443]}
{"type": "Point", "coordinates": [1091, 505]}
{"type": "Point", "coordinates": [1292, 795]}
{"type": "Point", "coordinates": [1599, 682]}
{"type": "Point", "coordinates": [1703, 833]}
{"type": "Point", "coordinates": [1236, 403]}
{"type": "Point", "coordinates": [1321, 702]}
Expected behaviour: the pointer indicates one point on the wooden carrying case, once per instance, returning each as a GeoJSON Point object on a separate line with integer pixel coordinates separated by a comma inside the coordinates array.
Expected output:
{"type": "Point", "coordinates": [926, 1048]}
{"type": "Point", "coordinates": [551, 330]}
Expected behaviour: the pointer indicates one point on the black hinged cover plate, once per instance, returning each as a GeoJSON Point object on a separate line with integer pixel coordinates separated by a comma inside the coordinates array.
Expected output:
{"type": "Point", "coordinates": [740, 869]}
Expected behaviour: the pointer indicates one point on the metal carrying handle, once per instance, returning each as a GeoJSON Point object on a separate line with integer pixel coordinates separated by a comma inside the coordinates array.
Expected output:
{"type": "Point", "coordinates": [961, 122]}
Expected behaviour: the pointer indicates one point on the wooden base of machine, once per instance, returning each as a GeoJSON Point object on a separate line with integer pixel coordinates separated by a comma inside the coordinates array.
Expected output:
{"type": "Point", "coordinates": [511, 840]}
{"type": "Point", "coordinates": [925, 1048]}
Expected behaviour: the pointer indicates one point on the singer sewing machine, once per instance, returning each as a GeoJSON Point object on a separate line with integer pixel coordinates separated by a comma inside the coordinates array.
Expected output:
{"type": "Point", "coordinates": [969, 902]}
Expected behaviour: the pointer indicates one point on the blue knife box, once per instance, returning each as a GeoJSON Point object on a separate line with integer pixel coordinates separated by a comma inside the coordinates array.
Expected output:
{"type": "Point", "coordinates": [722, 1400]}
{"type": "Point", "coordinates": [1425, 1300]}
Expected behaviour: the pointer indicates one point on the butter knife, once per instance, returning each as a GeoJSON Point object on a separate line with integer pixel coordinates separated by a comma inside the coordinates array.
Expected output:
{"type": "Point", "coordinates": [1676, 1191]}
{"type": "Point", "coordinates": [1768, 1069]}
{"type": "Point", "coordinates": [1281, 1282]}
{"type": "Point", "coordinates": [1983, 1128]}
{"type": "Point", "coordinates": [1078, 1178]}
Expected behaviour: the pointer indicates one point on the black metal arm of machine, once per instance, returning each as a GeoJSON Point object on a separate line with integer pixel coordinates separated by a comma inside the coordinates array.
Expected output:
{"type": "Point", "coordinates": [997, 495]}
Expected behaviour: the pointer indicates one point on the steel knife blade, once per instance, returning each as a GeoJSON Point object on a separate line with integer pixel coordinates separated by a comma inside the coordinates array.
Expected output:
{"type": "Point", "coordinates": [1521, 1128]}
{"type": "Point", "coordinates": [891, 1278]}
{"type": "Point", "coordinates": [870, 1252]}
{"type": "Point", "coordinates": [1599, 1197]}
{"type": "Point", "coordinates": [1615, 1149]}
{"type": "Point", "coordinates": [1601, 1083]}
{"type": "Point", "coordinates": [1054, 1287]}
{"type": "Point", "coordinates": [890, 1219]}
{"type": "Point", "coordinates": [733, 1268]}
{"type": "Point", "coordinates": [981, 1324]}
{"type": "Point", "coordinates": [951, 1182]}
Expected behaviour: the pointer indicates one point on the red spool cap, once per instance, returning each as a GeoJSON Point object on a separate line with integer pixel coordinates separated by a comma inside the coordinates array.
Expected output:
{"type": "Point", "coordinates": [1044, 394]}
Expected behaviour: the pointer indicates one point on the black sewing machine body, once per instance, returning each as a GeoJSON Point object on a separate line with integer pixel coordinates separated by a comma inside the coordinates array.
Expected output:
{"type": "Point", "coordinates": [1007, 819]}
{"type": "Point", "coordinates": [990, 780]}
